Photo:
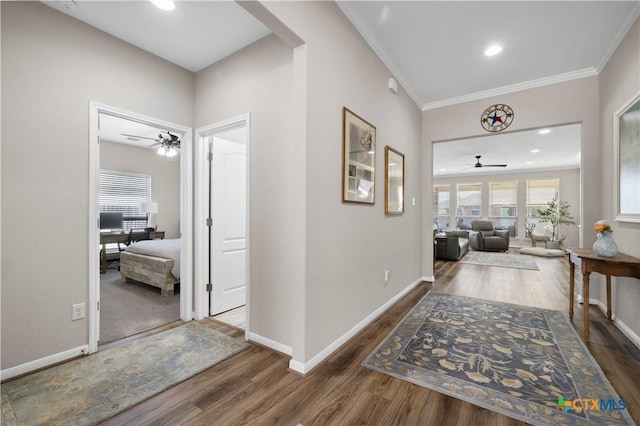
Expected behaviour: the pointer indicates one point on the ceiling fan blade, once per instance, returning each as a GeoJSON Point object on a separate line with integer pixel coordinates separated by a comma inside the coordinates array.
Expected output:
{"type": "Point", "coordinates": [154, 144]}
{"type": "Point", "coordinates": [139, 137]}
{"type": "Point", "coordinates": [494, 165]}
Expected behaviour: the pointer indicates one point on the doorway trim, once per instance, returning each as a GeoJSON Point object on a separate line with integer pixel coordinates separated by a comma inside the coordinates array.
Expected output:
{"type": "Point", "coordinates": [201, 197]}
{"type": "Point", "coordinates": [186, 223]}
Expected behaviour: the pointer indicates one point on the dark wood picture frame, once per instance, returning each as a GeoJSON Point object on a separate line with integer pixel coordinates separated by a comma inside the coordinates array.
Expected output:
{"type": "Point", "coordinates": [393, 181]}
{"type": "Point", "coordinates": [358, 159]}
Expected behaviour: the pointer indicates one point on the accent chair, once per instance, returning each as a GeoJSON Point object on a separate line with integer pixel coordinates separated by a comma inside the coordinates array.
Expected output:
{"type": "Point", "coordinates": [483, 237]}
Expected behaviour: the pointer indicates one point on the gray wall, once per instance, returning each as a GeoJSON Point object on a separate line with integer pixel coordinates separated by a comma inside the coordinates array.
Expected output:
{"type": "Point", "coordinates": [592, 102]}
{"type": "Point", "coordinates": [348, 246]}
{"type": "Point", "coordinates": [574, 101]}
{"type": "Point", "coordinates": [165, 179]}
{"type": "Point", "coordinates": [619, 82]}
{"type": "Point", "coordinates": [333, 254]}
{"type": "Point", "coordinates": [52, 66]}
{"type": "Point", "coordinates": [259, 80]}
{"type": "Point", "coordinates": [569, 192]}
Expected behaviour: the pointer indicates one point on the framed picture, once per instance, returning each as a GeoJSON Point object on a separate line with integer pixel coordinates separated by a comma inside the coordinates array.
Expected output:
{"type": "Point", "coordinates": [358, 159]}
{"type": "Point", "coordinates": [393, 181]}
{"type": "Point", "coordinates": [626, 140]}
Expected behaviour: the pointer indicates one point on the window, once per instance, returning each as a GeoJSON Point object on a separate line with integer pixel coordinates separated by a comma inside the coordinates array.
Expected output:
{"type": "Point", "coordinates": [125, 192]}
{"type": "Point", "coordinates": [469, 204]}
{"type": "Point", "coordinates": [539, 193]}
{"type": "Point", "coordinates": [441, 203]}
{"type": "Point", "coordinates": [503, 202]}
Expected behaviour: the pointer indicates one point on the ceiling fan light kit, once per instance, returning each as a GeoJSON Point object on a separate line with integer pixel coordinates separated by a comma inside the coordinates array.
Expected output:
{"type": "Point", "coordinates": [169, 143]}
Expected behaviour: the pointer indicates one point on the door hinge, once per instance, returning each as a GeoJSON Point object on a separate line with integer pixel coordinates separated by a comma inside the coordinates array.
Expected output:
{"type": "Point", "coordinates": [98, 305]}
{"type": "Point", "coordinates": [209, 221]}
{"type": "Point", "coordinates": [209, 287]}
{"type": "Point", "coordinates": [210, 156]}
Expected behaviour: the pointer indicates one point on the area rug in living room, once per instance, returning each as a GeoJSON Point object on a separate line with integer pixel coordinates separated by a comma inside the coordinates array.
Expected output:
{"type": "Point", "coordinates": [520, 361]}
{"type": "Point", "coordinates": [505, 260]}
{"type": "Point", "coordinates": [94, 388]}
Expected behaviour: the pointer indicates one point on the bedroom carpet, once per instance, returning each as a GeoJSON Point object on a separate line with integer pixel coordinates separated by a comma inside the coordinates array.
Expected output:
{"type": "Point", "coordinates": [132, 307]}
{"type": "Point", "coordinates": [505, 260]}
{"type": "Point", "coordinates": [526, 363]}
{"type": "Point", "coordinates": [94, 388]}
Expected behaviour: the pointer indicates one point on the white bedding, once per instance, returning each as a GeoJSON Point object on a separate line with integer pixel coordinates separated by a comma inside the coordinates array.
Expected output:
{"type": "Point", "coordinates": [169, 249]}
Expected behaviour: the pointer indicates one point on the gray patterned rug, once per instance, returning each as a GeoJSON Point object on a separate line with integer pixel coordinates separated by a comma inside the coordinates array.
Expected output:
{"type": "Point", "coordinates": [89, 390]}
{"type": "Point", "coordinates": [505, 260]}
{"type": "Point", "coordinates": [523, 362]}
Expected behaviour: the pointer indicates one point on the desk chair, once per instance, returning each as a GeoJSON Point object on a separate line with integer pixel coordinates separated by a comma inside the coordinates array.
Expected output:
{"type": "Point", "coordinates": [134, 235]}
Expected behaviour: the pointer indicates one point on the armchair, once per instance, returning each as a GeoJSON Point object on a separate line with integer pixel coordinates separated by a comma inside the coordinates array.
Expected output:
{"type": "Point", "coordinates": [484, 238]}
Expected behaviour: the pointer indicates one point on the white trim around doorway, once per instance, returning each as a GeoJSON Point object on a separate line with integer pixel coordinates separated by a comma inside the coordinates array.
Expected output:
{"type": "Point", "coordinates": [186, 202]}
{"type": "Point", "coordinates": [201, 187]}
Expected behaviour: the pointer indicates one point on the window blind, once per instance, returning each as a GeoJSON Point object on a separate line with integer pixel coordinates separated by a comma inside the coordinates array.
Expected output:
{"type": "Point", "coordinates": [503, 199]}
{"type": "Point", "coordinates": [124, 192]}
{"type": "Point", "coordinates": [539, 193]}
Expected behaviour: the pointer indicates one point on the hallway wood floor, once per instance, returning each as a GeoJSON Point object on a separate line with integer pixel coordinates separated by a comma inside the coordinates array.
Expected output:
{"type": "Point", "coordinates": [256, 388]}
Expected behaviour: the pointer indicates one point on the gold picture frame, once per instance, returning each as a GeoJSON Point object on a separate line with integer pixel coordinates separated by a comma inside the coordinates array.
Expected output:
{"type": "Point", "coordinates": [358, 159]}
{"type": "Point", "coordinates": [626, 141]}
{"type": "Point", "coordinates": [393, 181]}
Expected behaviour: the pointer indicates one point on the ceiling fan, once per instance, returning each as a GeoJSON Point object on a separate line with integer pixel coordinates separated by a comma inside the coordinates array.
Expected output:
{"type": "Point", "coordinates": [169, 143]}
{"type": "Point", "coordinates": [479, 165]}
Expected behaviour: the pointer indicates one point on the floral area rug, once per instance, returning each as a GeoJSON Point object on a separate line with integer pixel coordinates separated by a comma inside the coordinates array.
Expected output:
{"type": "Point", "coordinates": [89, 390]}
{"type": "Point", "coordinates": [505, 260]}
{"type": "Point", "coordinates": [523, 362]}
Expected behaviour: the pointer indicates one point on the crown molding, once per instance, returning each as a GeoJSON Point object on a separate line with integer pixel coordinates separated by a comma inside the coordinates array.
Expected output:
{"type": "Point", "coordinates": [533, 84]}
{"type": "Point", "coordinates": [347, 9]}
{"type": "Point", "coordinates": [619, 37]}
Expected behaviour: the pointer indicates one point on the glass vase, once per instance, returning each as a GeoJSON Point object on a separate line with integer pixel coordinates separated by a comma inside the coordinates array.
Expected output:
{"type": "Point", "coordinates": [605, 246]}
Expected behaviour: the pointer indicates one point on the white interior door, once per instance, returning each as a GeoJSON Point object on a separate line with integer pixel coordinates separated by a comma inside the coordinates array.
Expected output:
{"type": "Point", "coordinates": [228, 196]}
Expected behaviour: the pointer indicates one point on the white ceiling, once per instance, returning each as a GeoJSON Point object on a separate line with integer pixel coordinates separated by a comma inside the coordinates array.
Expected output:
{"type": "Point", "coordinates": [433, 48]}
{"type": "Point", "coordinates": [116, 129]}
{"type": "Point", "coordinates": [195, 35]}
{"type": "Point", "coordinates": [436, 48]}
{"type": "Point", "coordinates": [558, 149]}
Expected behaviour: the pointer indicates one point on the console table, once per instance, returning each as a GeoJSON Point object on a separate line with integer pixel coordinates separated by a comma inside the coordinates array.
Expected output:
{"type": "Point", "coordinates": [119, 237]}
{"type": "Point", "coordinates": [621, 265]}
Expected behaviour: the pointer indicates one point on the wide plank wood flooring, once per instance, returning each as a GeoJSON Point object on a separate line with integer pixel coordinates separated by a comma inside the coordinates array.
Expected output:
{"type": "Point", "coordinates": [255, 387]}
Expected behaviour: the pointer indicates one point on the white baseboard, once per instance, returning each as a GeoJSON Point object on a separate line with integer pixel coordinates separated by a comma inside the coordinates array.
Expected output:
{"type": "Point", "coordinates": [271, 344]}
{"type": "Point", "coordinates": [304, 368]}
{"type": "Point", "coordinates": [621, 326]}
{"type": "Point", "coordinates": [430, 279]}
{"type": "Point", "coordinates": [43, 362]}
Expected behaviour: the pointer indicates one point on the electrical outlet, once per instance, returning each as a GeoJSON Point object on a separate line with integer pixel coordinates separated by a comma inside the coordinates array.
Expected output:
{"type": "Point", "coordinates": [77, 311]}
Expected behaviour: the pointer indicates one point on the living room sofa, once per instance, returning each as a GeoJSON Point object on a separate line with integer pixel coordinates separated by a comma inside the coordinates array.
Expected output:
{"type": "Point", "coordinates": [452, 246]}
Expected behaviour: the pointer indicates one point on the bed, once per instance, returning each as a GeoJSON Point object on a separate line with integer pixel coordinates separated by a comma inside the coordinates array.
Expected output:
{"type": "Point", "coordinates": [153, 262]}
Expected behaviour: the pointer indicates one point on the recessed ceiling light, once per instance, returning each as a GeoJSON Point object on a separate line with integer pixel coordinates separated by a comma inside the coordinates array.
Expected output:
{"type": "Point", "coordinates": [167, 5]}
{"type": "Point", "coordinates": [493, 50]}
{"type": "Point", "coordinates": [535, 151]}
{"type": "Point", "coordinates": [544, 131]}
{"type": "Point", "coordinates": [529, 162]}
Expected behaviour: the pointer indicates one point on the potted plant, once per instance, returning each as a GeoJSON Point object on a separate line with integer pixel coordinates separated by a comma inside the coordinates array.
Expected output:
{"type": "Point", "coordinates": [556, 213]}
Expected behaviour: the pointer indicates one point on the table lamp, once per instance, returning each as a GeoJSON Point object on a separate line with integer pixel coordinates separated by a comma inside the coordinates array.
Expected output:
{"type": "Point", "coordinates": [151, 209]}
